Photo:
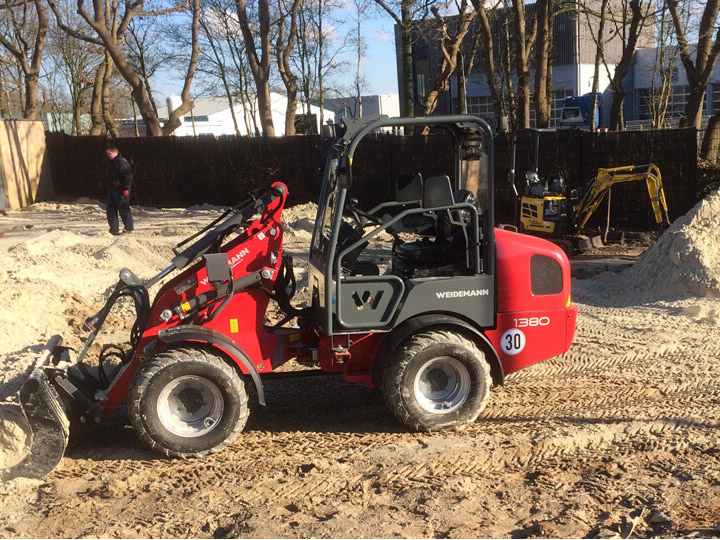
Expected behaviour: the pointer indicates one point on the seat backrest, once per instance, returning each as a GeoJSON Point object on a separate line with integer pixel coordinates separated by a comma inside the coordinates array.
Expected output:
{"type": "Point", "coordinates": [446, 227]}
{"type": "Point", "coordinates": [437, 192]}
{"type": "Point", "coordinates": [409, 187]}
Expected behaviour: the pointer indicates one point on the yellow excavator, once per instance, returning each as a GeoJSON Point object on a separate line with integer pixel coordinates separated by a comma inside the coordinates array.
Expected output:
{"type": "Point", "coordinates": [545, 210]}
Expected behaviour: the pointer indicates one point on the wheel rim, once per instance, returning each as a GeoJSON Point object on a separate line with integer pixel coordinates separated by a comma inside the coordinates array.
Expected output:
{"type": "Point", "coordinates": [190, 406]}
{"type": "Point", "coordinates": [442, 385]}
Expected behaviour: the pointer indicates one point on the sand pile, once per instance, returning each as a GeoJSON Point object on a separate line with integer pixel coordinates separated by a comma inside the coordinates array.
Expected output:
{"type": "Point", "coordinates": [686, 258]}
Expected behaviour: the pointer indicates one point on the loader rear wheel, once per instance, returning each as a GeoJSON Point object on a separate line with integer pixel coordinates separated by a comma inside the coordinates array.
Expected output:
{"type": "Point", "coordinates": [187, 402]}
{"type": "Point", "coordinates": [438, 380]}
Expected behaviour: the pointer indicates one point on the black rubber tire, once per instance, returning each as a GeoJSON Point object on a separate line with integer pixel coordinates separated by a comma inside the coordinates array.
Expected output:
{"type": "Point", "coordinates": [403, 383]}
{"type": "Point", "coordinates": [165, 372]}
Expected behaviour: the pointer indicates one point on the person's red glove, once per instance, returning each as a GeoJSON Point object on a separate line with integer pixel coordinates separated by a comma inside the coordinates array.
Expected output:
{"type": "Point", "coordinates": [126, 193]}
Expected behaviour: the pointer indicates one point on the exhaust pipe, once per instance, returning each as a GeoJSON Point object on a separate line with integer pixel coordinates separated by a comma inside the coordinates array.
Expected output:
{"type": "Point", "coordinates": [45, 420]}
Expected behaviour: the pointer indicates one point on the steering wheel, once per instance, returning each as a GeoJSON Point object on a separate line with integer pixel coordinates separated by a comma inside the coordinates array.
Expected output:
{"type": "Point", "coordinates": [361, 217]}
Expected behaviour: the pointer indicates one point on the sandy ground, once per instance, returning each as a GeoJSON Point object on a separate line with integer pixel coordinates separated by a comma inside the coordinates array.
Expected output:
{"type": "Point", "coordinates": [617, 437]}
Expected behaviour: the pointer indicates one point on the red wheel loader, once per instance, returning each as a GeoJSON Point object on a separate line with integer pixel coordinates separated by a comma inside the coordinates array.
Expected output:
{"type": "Point", "coordinates": [448, 309]}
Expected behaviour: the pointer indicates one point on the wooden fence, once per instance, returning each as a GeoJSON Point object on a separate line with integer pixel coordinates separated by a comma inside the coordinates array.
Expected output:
{"type": "Point", "coordinates": [172, 171]}
{"type": "Point", "coordinates": [24, 172]}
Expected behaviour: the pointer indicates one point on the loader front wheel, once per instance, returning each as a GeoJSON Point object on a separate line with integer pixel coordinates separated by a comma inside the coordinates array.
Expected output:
{"type": "Point", "coordinates": [187, 402]}
{"type": "Point", "coordinates": [438, 380]}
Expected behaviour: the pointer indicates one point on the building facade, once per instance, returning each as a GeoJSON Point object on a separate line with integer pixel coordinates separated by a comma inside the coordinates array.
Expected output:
{"type": "Point", "coordinates": [573, 65]}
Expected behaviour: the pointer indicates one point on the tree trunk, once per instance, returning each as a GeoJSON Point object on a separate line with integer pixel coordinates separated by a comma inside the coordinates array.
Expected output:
{"type": "Point", "coordinates": [706, 53]}
{"type": "Point", "coordinates": [599, 57]}
{"type": "Point", "coordinates": [488, 55]}
{"type": "Point", "coordinates": [407, 60]}
{"type": "Point", "coordinates": [283, 50]}
{"type": "Point", "coordinates": [468, 64]}
{"type": "Point", "coordinates": [265, 110]}
{"type": "Point", "coordinates": [694, 107]}
{"type": "Point", "coordinates": [617, 122]}
{"type": "Point", "coordinates": [710, 149]}
{"type": "Point", "coordinates": [96, 104]}
{"type": "Point", "coordinates": [449, 48]}
{"type": "Point", "coordinates": [31, 100]}
{"type": "Point", "coordinates": [187, 104]}
{"type": "Point", "coordinates": [259, 65]}
{"type": "Point", "coordinates": [291, 110]}
{"type": "Point", "coordinates": [461, 97]}
{"type": "Point", "coordinates": [320, 73]}
{"type": "Point", "coordinates": [543, 13]}
{"type": "Point", "coordinates": [523, 42]}
{"type": "Point", "coordinates": [109, 120]}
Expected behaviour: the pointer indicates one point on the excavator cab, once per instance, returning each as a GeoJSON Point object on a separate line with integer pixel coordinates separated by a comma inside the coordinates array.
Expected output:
{"type": "Point", "coordinates": [542, 206]}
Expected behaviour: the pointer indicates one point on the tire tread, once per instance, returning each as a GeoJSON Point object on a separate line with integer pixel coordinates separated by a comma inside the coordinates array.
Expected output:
{"type": "Point", "coordinates": [396, 395]}
{"type": "Point", "coordinates": [142, 380]}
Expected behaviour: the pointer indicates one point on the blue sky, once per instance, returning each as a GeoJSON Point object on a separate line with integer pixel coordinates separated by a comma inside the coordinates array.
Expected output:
{"type": "Point", "coordinates": [380, 68]}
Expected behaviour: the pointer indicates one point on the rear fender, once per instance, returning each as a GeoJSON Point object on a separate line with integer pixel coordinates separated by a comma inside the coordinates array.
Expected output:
{"type": "Point", "coordinates": [177, 334]}
{"type": "Point", "coordinates": [436, 321]}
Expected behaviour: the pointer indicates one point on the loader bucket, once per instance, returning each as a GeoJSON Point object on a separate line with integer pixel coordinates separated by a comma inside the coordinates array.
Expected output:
{"type": "Point", "coordinates": [46, 423]}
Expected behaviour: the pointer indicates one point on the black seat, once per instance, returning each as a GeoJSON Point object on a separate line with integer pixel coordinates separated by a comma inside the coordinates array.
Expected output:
{"type": "Point", "coordinates": [450, 240]}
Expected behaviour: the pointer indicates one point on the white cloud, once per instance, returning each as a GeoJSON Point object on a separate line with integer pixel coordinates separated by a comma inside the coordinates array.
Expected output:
{"type": "Point", "coordinates": [383, 35]}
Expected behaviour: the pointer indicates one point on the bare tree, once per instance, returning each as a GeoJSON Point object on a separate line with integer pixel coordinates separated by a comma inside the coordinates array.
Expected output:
{"type": "Point", "coordinates": [284, 47]}
{"type": "Point", "coordinates": [468, 54]}
{"type": "Point", "coordinates": [404, 12]}
{"type": "Point", "coordinates": [707, 50]}
{"type": "Point", "coordinates": [4, 90]}
{"type": "Point", "coordinates": [599, 40]}
{"type": "Point", "coordinates": [146, 52]}
{"type": "Point", "coordinates": [544, 15]}
{"type": "Point", "coordinates": [77, 62]}
{"type": "Point", "coordinates": [664, 69]}
{"type": "Point", "coordinates": [626, 20]}
{"type": "Point", "coordinates": [319, 51]}
{"type": "Point", "coordinates": [450, 44]}
{"type": "Point", "coordinates": [494, 35]}
{"type": "Point", "coordinates": [259, 59]}
{"type": "Point", "coordinates": [217, 59]}
{"type": "Point", "coordinates": [361, 9]}
{"type": "Point", "coordinates": [23, 29]}
{"type": "Point", "coordinates": [629, 33]}
{"type": "Point", "coordinates": [524, 40]}
{"type": "Point", "coordinates": [110, 22]}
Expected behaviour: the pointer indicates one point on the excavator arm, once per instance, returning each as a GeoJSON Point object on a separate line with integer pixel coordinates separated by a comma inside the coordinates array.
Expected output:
{"type": "Point", "coordinates": [606, 178]}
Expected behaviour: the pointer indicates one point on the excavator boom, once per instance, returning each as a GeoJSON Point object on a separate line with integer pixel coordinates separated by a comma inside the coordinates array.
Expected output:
{"type": "Point", "coordinates": [607, 178]}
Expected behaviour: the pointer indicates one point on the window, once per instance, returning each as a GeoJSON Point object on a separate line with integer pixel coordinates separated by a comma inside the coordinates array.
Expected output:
{"type": "Point", "coordinates": [555, 108]}
{"type": "Point", "coordinates": [647, 98]}
{"type": "Point", "coordinates": [557, 105]}
{"type": "Point", "coordinates": [571, 113]}
{"type": "Point", "coordinates": [482, 106]}
{"type": "Point", "coordinates": [715, 98]}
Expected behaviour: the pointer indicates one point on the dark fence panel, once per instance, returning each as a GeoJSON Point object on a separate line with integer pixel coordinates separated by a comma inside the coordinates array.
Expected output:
{"type": "Point", "coordinates": [184, 171]}
{"type": "Point", "coordinates": [674, 151]}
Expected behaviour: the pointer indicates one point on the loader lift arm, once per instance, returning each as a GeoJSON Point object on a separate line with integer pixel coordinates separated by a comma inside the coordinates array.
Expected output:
{"type": "Point", "coordinates": [607, 178]}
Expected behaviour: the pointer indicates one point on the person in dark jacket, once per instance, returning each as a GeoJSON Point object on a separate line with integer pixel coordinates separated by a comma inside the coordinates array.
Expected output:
{"type": "Point", "coordinates": [119, 178]}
